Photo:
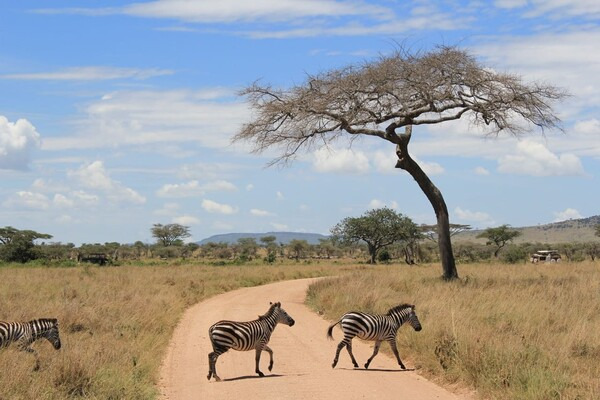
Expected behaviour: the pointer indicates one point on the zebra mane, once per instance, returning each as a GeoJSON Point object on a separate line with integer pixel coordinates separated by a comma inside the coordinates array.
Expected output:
{"type": "Point", "coordinates": [399, 308]}
{"type": "Point", "coordinates": [270, 311]}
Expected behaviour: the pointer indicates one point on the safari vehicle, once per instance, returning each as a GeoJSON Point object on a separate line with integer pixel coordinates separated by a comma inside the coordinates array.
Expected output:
{"type": "Point", "coordinates": [545, 256]}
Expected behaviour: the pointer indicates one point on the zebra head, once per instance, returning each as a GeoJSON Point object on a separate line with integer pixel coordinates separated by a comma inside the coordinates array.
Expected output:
{"type": "Point", "coordinates": [413, 320]}
{"type": "Point", "coordinates": [51, 332]}
{"type": "Point", "coordinates": [281, 315]}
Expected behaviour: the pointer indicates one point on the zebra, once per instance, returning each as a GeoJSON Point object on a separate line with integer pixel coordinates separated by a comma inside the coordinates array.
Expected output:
{"type": "Point", "coordinates": [25, 333]}
{"type": "Point", "coordinates": [376, 328]}
{"type": "Point", "coordinates": [244, 336]}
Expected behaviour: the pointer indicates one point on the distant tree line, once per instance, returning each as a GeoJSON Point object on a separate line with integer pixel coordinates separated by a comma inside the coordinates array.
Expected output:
{"type": "Point", "coordinates": [377, 236]}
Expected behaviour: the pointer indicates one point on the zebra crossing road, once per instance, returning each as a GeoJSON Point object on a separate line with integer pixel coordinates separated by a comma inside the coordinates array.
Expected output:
{"type": "Point", "coordinates": [302, 355]}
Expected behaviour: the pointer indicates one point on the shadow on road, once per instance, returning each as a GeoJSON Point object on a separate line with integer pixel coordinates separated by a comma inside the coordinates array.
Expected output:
{"type": "Point", "coordinates": [377, 369]}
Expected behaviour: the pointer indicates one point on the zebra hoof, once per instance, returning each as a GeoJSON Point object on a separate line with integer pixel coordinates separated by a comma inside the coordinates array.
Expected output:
{"type": "Point", "coordinates": [367, 366]}
{"type": "Point", "coordinates": [260, 374]}
{"type": "Point", "coordinates": [270, 368]}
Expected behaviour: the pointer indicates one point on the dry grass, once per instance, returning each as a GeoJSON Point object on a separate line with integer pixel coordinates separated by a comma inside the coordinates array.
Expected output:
{"type": "Point", "coordinates": [511, 332]}
{"type": "Point", "coordinates": [115, 323]}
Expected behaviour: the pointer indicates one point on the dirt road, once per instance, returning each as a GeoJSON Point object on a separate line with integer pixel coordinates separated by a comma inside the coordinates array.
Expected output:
{"type": "Point", "coordinates": [302, 354]}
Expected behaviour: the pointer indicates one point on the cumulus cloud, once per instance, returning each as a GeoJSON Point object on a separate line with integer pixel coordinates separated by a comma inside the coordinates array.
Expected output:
{"type": "Point", "coordinates": [376, 203]}
{"type": "Point", "coordinates": [533, 158]}
{"type": "Point", "coordinates": [474, 217]}
{"type": "Point", "coordinates": [186, 220]}
{"type": "Point", "coordinates": [194, 188]}
{"type": "Point", "coordinates": [569, 213]}
{"type": "Point", "coordinates": [346, 161]}
{"type": "Point", "coordinates": [17, 141]}
{"type": "Point", "coordinates": [260, 213]}
{"type": "Point", "coordinates": [279, 195]}
{"type": "Point", "coordinates": [94, 176]}
{"type": "Point", "coordinates": [156, 117]}
{"type": "Point", "coordinates": [216, 208]}
{"type": "Point", "coordinates": [481, 171]}
{"type": "Point", "coordinates": [279, 227]}
{"type": "Point", "coordinates": [28, 200]}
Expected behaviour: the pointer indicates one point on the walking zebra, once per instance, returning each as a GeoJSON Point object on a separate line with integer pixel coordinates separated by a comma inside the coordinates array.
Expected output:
{"type": "Point", "coordinates": [375, 328]}
{"type": "Point", "coordinates": [25, 333]}
{"type": "Point", "coordinates": [244, 336]}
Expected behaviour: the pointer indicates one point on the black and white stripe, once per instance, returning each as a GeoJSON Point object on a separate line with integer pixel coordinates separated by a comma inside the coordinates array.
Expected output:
{"type": "Point", "coordinates": [244, 336]}
{"type": "Point", "coordinates": [25, 333]}
{"type": "Point", "coordinates": [376, 328]}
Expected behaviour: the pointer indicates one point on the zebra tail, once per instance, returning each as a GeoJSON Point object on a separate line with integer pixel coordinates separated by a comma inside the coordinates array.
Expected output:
{"type": "Point", "coordinates": [330, 330]}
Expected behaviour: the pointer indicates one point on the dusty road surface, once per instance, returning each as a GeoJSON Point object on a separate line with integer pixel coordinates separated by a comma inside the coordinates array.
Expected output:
{"type": "Point", "coordinates": [302, 355]}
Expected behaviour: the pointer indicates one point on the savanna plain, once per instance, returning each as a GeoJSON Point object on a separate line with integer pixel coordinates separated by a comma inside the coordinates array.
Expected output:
{"type": "Point", "coordinates": [506, 331]}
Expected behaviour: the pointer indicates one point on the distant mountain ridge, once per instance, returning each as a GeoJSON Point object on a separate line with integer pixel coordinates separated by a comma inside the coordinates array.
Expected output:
{"type": "Point", "coordinates": [280, 237]}
{"type": "Point", "coordinates": [569, 231]}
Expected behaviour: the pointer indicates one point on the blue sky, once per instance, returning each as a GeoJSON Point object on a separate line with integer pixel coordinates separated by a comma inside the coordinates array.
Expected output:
{"type": "Point", "coordinates": [116, 115]}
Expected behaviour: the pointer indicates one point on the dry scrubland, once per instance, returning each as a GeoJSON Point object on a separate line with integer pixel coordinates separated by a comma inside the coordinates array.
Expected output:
{"type": "Point", "coordinates": [115, 323]}
{"type": "Point", "coordinates": [511, 332]}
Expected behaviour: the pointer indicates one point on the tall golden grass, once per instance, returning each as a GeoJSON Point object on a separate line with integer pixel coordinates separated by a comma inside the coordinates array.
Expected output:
{"type": "Point", "coordinates": [510, 332]}
{"type": "Point", "coordinates": [115, 323]}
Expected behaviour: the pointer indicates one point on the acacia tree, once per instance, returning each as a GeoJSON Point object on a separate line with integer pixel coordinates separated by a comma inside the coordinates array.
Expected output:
{"type": "Point", "coordinates": [170, 234]}
{"type": "Point", "coordinates": [598, 230]}
{"type": "Point", "coordinates": [397, 91]}
{"type": "Point", "coordinates": [377, 228]}
{"type": "Point", "coordinates": [18, 245]}
{"type": "Point", "coordinates": [499, 237]}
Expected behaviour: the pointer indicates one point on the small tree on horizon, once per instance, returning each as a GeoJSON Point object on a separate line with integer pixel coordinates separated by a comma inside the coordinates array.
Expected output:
{"type": "Point", "coordinates": [378, 228]}
{"type": "Point", "coordinates": [18, 245]}
{"type": "Point", "coordinates": [170, 234]}
{"type": "Point", "coordinates": [386, 98]}
{"type": "Point", "coordinates": [499, 237]}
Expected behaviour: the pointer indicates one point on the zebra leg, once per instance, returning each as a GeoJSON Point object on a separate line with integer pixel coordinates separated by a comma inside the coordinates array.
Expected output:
{"type": "Point", "coordinates": [268, 350]}
{"type": "Point", "coordinates": [395, 350]}
{"type": "Point", "coordinates": [25, 345]}
{"type": "Point", "coordinates": [375, 351]}
{"type": "Point", "coordinates": [212, 366]}
{"type": "Point", "coordinates": [337, 353]}
{"type": "Point", "coordinates": [349, 348]}
{"type": "Point", "coordinates": [258, 351]}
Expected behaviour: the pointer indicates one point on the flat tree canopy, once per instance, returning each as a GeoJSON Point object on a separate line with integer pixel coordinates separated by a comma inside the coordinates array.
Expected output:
{"type": "Point", "coordinates": [499, 236]}
{"type": "Point", "coordinates": [170, 234]}
{"type": "Point", "coordinates": [400, 90]}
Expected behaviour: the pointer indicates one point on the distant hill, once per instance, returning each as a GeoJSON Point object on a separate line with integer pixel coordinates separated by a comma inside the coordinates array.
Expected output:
{"type": "Point", "coordinates": [280, 237]}
{"type": "Point", "coordinates": [572, 230]}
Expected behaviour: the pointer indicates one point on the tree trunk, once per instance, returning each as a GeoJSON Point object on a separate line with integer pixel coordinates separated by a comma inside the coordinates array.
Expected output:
{"type": "Point", "coordinates": [372, 253]}
{"type": "Point", "coordinates": [436, 199]}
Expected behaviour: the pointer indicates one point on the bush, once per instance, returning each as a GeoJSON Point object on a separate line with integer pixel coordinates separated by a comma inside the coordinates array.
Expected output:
{"type": "Point", "coordinates": [514, 254]}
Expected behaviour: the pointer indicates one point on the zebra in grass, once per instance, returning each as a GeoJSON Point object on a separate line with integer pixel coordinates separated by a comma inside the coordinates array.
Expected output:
{"type": "Point", "coordinates": [25, 333]}
{"type": "Point", "coordinates": [376, 328]}
{"type": "Point", "coordinates": [244, 336]}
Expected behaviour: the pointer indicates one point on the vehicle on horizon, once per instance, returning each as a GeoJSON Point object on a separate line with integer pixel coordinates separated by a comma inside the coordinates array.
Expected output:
{"type": "Point", "coordinates": [551, 256]}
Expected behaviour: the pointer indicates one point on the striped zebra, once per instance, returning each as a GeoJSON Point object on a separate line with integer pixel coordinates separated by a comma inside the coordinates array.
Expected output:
{"type": "Point", "coordinates": [25, 333]}
{"type": "Point", "coordinates": [376, 328]}
{"type": "Point", "coordinates": [244, 336]}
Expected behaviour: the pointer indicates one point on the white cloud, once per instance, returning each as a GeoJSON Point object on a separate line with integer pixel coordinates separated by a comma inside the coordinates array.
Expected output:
{"type": "Point", "coordinates": [279, 195]}
{"type": "Point", "coordinates": [260, 213]}
{"type": "Point", "coordinates": [481, 171]}
{"type": "Point", "coordinates": [62, 201]}
{"type": "Point", "coordinates": [475, 217]}
{"type": "Point", "coordinates": [27, 199]}
{"type": "Point", "coordinates": [533, 158]}
{"type": "Point", "coordinates": [168, 209]}
{"type": "Point", "coordinates": [279, 227]}
{"type": "Point", "coordinates": [94, 176]}
{"type": "Point", "coordinates": [214, 207]}
{"type": "Point", "coordinates": [91, 73]}
{"type": "Point", "coordinates": [194, 188]}
{"type": "Point", "coordinates": [340, 161]}
{"type": "Point", "coordinates": [186, 220]}
{"type": "Point", "coordinates": [249, 187]}
{"type": "Point", "coordinates": [589, 9]}
{"type": "Point", "coordinates": [569, 213]}
{"type": "Point", "coordinates": [376, 203]}
{"type": "Point", "coordinates": [17, 141]}
{"type": "Point", "coordinates": [134, 118]}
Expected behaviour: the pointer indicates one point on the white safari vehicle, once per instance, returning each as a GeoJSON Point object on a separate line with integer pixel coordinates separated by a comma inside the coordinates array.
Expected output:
{"type": "Point", "coordinates": [545, 256]}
